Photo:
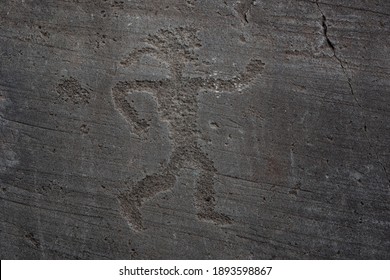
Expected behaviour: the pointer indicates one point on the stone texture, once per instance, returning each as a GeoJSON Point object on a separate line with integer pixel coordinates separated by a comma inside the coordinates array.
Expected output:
{"type": "Point", "coordinates": [195, 129]}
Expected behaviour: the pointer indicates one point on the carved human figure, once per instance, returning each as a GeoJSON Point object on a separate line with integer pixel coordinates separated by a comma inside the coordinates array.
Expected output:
{"type": "Point", "coordinates": [177, 105]}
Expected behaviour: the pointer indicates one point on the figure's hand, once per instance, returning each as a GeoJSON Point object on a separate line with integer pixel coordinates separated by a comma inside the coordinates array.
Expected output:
{"type": "Point", "coordinates": [252, 70]}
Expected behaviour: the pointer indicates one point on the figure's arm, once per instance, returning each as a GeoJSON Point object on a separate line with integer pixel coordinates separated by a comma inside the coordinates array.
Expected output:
{"type": "Point", "coordinates": [123, 89]}
{"type": "Point", "coordinates": [253, 69]}
{"type": "Point", "coordinates": [127, 109]}
{"type": "Point", "coordinates": [136, 55]}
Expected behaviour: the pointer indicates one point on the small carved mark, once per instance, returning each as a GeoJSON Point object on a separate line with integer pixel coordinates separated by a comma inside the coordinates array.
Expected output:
{"type": "Point", "coordinates": [214, 125]}
{"type": "Point", "coordinates": [31, 239]}
{"type": "Point", "coordinates": [70, 90]}
{"type": "Point", "coordinates": [84, 129]}
{"type": "Point", "coordinates": [295, 189]}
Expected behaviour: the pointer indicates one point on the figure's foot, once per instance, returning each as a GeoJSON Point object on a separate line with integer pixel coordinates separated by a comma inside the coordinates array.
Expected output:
{"type": "Point", "coordinates": [215, 217]}
{"type": "Point", "coordinates": [129, 208]}
{"type": "Point", "coordinates": [131, 201]}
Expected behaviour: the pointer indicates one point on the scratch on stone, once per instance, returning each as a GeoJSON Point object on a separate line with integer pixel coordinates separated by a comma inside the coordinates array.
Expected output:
{"type": "Point", "coordinates": [349, 81]}
{"type": "Point", "coordinates": [332, 47]}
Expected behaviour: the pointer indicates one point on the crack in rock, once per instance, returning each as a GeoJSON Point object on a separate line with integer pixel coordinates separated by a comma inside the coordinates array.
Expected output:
{"type": "Point", "coordinates": [349, 81]}
{"type": "Point", "coordinates": [244, 8]}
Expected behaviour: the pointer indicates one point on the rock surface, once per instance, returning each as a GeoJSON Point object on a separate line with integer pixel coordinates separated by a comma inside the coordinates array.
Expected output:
{"type": "Point", "coordinates": [195, 129]}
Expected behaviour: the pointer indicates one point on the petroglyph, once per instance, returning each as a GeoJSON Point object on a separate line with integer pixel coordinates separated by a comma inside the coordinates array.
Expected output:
{"type": "Point", "coordinates": [177, 105]}
{"type": "Point", "coordinates": [70, 90]}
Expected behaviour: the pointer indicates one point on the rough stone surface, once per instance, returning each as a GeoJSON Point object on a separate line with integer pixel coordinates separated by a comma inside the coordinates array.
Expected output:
{"type": "Point", "coordinates": [195, 129]}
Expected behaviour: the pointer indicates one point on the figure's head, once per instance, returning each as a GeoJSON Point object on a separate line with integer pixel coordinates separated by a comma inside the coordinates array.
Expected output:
{"type": "Point", "coordinates": [176, 43]}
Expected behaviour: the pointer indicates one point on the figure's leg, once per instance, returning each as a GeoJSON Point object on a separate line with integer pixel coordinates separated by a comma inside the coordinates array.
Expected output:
{"type": "Point", "coordinates": [205, 200]}
{"type": "Point", "coordinates": [130, 210]}
{"type": "Point", "coordinates": [131, 202]}
{"type": "Point", "coordinates": [205, 193]}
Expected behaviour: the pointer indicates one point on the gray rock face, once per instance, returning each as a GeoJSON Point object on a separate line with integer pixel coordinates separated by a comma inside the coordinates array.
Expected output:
{"type": "Point", "coordinates": [195, 129]}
